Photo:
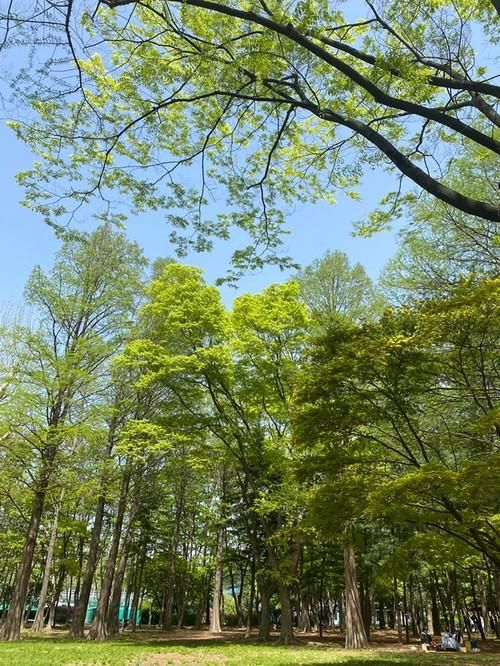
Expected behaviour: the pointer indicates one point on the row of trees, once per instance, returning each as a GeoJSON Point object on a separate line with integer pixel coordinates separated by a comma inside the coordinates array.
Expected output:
{"type": "Point", "coordinates": [315, 452]}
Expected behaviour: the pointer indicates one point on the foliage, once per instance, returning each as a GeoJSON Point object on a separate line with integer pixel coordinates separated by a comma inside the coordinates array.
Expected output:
{"type": "Point", "coordinates": [272, 103]}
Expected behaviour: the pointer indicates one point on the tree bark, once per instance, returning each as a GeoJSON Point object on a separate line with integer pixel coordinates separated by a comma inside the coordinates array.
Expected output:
{"type": "Point", "coordinates": [11, 628]}
{"type": "Point", "coordinates": [436, 619]}
{"type": "Point", "coordinates": [98, 630]}
{"type": "Point", "coordinates": [265, 592]}
{"type": "Point", "coordinates": [113, 616]}
{"type": "Point", "coordinates": [78, 623]}
{"type": "Point", "coordinates": [55, 597]}
{"type": "Point", "coordinates": [286, 627]}
{"type": "Point", "coordinates": [476, 605]}
{"type": "Point", "coordinates": [166, 618]}
{"type": "Point", "coordinates": [137, 591]}
{"type": "Point", "coordinates": [39, 620]}
{"type": "Point", "coordinates": [484, 603]}
{"type": "Point", "coordinates": [236, 598]}
{"type": "Point", "coordinates": [304, 619]}
{"type": "Point", "coordinates": [355, 636]}
{"type": "Point", "coordinates": [215, 616]}
{"type": "Point", "coordinates": [251, 599]}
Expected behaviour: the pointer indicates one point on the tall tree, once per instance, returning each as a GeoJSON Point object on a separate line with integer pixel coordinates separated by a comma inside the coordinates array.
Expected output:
{"type": "Point", "coordinates": [240, 365]}
{"type": "Point", "coordinates": [330, 286]}
{"type": "Point", "coordinates": [84, 306]}
{"type": "Point", "coordinates": [411, 398]}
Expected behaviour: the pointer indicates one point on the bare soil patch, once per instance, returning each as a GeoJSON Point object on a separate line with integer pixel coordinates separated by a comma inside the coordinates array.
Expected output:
{"type": "Point", "coordinates": [386, 639]}
{"type": "Point", "coordinates": [177, 659]}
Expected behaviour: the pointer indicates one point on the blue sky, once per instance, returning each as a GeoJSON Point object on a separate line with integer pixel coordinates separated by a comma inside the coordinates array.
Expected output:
{"type": "Point", "coordinates": [27, 241]}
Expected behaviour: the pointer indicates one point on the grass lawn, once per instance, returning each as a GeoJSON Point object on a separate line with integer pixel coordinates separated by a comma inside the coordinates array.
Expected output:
{"type": "Point", "coordinates": [148, 649]}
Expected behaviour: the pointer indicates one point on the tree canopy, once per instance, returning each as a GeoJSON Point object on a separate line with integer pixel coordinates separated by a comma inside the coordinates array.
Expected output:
{"type": "Point", "coordinates": [175, 104]}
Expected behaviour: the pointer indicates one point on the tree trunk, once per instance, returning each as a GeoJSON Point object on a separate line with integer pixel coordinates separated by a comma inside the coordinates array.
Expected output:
{"type": "Point", "coordinates": [113, 617]}
{"type": "Point", "coordinates": [78, 623]}
{"type": "Point", "coordinates": [202, 603]}
{"type": "Point", "coordinates": [366, 607]}
{"type": "Point", "coordinates": [55, 597]}
{"type": "Point", "coordinates": [215, 616]}
{"type": "Point", "coordinates": [449, 599]}
{"type": "Point", "coordinates": [137, 592]}
{"type": "Point", "coordinates": [251, 600]}
{"type": "Point", "coordinates": [496, 587]}
{"type": "Point", "coordinates": [98, 630]}
{"type": "Point", "coordinates": [304, 620]}
{"type": "Point", "coordinates": [406, 614]}
{"type": "Point", "coordinates": [166, 617]}
{"type": "Point", "coordinates": [265, 592]}
{"type": "Point", "coordinates": [286, 627]}
{"type": "Point", "coordinates": [236, 598]}
{"type": "Point", "coordinates": [442, 602]}
{"type": "Point", "coordinates": [436, 619]}
{"type": "Point", "coordinates": [355, 636]}
{"type": "Point", "coordinates": [39, 620]}
{"type": "Point", "coordinates": [11, 628]}
{"type": "Point", "coordinates": [484, 603]}
{"type": "Point", "coordinates": [181, 611]}
{"type": "Point", "coordinates": [413, 610]}
{"type": "Point", "coordinates": [476, 605]}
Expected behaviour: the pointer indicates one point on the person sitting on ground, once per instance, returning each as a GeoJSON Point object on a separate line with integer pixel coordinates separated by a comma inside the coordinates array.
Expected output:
{"type": "Point", "coordinates": [448, 641]}
{"type": "Point", "coordinates": [425, 637]}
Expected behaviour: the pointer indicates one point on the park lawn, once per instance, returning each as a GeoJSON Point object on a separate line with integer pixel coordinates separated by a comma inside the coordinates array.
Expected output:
{"type": "Point", "coordinates": [123, 652]}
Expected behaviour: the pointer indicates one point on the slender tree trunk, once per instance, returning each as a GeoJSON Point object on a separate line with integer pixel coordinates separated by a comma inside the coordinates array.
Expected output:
{"type": "Point", "coordinates": [239, 615]}
{"type": "Point", "coordinates": [476, 605]}
{"type": "Point", "coordinates": [449, 598]}
{"type": "Point", "coordinates": [7, 592]}
{"type": "Point", "coordinates": [215, 617]}
{"type": "Point", "coordinates": [397, 609]}
{"type": "Point", "coordinates": [304, 619]}
{"type": "Point", "coordinates": [113, 617]}
{"type": "Point", "coordinates": [137, 593]}
{"type": "Point", "coordinates": [181, 607]}
{"type": "Point", "coordinates": [406, 614]}
{"type": "Point", "coordinates": [168, 606]}
{"type": "Point", "coordinates": [495, 586]}
{"type": "Point", "coordinates": [286, 627]}
{"type": "Point", "coordinates": [484, 603]}
{"type": "Point", "coordinates": [55, 597]}
{"type": "Point", "coordinates": [413, 610]}
{"type": "Point", "coordinates": [78, 623]}
{"type": "Point", "coordinates": [265, 592]}
{"type": "Point", "coordinates": [166, 617]}
{"type": "Point", "coordinates": [126, 607]}
{"type": "Point", "coordinates": [320, 613]}
{"type": "Point", "coordinates": [442, 601]}
{"type": "Point", "coordinates": [98, 630]}
{"type": "Point", "coordinates": [355, 636]}
{"type": "Point", "coordinates": [436, 619]}
{"type": "Point", "coordinates": [366, 608]}
{"type": "Point", "coordinates": [251, 600]}
{"type": "Point", "coordinates": [11, 628]}
{"type": "Point", "coordinates": [39, 620]}
{"type": "Point", "coordinates": [202, 604]}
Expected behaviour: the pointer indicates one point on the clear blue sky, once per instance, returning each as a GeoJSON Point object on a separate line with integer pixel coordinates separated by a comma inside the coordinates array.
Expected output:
{"type": "Point", "coordinates": [26, 240]}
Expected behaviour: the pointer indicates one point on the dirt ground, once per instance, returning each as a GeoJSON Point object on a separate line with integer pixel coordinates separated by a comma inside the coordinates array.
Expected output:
{"type": "Point", "coordinates": [381, 639]}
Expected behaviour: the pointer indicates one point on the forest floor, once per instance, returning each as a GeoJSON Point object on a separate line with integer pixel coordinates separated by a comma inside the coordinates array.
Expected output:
{"type": "Point", "coordinates": [197, 648]}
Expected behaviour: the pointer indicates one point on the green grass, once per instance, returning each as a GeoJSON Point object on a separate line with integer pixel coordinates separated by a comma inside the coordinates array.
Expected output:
{"type": "Point", "coordinates": [52, 651]}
